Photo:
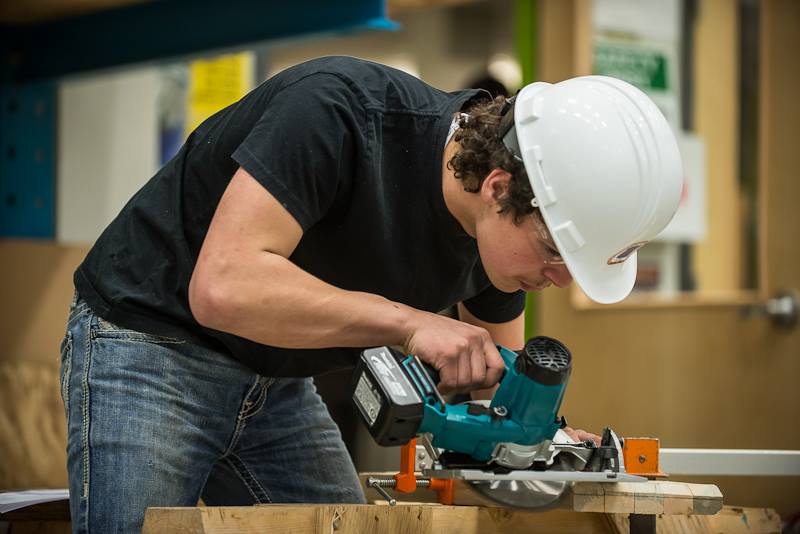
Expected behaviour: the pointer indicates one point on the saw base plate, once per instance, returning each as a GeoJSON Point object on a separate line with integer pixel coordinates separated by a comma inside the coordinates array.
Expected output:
{"type": "Point", "coordinates": [526, 489]}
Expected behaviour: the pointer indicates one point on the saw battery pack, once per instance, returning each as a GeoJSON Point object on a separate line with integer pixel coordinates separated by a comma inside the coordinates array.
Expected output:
{"type": "Point", "coordinates": [387, 399]}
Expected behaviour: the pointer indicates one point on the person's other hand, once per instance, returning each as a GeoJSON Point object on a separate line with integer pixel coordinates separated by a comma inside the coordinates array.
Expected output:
{"type": "Point", "coordinates": [581, 435]}
{"type": "Point", "coordinates": [463, 354]}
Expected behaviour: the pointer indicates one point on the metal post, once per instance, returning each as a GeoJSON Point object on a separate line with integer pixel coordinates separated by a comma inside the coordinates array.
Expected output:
{"type": "Point", "coordinates": [643, 524]}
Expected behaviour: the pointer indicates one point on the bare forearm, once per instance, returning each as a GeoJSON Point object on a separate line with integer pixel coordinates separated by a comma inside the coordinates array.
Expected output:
{"type": "Point", "coordinates": [270, 300]}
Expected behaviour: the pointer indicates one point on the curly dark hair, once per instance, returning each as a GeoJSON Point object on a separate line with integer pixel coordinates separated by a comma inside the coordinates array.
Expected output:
{"type": "Point", "coordinates": [481, 150]}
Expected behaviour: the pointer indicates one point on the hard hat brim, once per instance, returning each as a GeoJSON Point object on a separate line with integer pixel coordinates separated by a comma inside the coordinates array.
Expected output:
{"type": "Point", "coordinates": [605, 284]}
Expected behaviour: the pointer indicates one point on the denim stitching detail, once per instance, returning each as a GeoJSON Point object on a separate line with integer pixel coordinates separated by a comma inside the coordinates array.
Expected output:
{"type": "Point", "coordinates": [66, 371]}
{"type": "Point", "coordinates": [252, 407]}
{"type": "Point", "coordinates": [241, 418]}
{"type": "Point", "coordinates": [128, 339]}
{"type": "Point", "coordinates": [267, 383]}
{"type": "Point", "coordinates": [87, 359]}
{"type": "Point", "coordinates": [106, 329]}
{"type": "Point", "coordinates": [235, 438]}
{"type": "Point", "coordinates": [248, 478]}
{"type": "Point", "coordinates": [257, 404]}
{"type": "Point", "coordinates": [236, 463]}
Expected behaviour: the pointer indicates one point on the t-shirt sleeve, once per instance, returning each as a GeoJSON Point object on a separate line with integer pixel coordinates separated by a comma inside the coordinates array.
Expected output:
{"type": "Point", "coordinates": [495, 306]}
{"type": "Point", "coordinates": [302, 148]}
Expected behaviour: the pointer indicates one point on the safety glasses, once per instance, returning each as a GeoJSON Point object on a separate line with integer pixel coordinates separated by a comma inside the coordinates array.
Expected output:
{"type": "Point", "coordinates": [550, 254]}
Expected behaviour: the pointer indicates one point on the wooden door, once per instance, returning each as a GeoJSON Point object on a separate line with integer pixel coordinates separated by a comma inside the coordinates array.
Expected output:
{"type": "Point", "coordinates": [693, 371]}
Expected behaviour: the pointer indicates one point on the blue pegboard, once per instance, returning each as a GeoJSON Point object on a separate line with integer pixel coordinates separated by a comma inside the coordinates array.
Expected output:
{"type": "Point", "coordinates": [33, 56]}
{"type": "Point", "coordinates": [27, 159]}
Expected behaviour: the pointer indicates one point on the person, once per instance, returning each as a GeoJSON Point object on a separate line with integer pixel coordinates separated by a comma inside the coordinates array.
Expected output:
{"type": "Point", "coordinates": [337, 206]}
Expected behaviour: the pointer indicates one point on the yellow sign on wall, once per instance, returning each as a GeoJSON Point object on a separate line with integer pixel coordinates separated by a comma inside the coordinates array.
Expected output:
{"type": "Point", "coordinates": [216, 83]}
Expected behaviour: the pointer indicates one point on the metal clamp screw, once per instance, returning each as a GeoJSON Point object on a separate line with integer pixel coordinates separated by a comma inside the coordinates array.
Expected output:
{"type": "Point", "coordinates": [378, 484]}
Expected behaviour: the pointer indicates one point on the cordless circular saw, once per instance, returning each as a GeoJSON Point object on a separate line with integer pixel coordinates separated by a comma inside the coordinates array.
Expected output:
{"type": "Point", "coordinates": [512, 449]}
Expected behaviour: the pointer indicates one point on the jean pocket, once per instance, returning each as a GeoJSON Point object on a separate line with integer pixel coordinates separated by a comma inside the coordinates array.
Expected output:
{"type": "Point", "coordinates": [65, 370]}
{"type": "Point", "coordinates": [106, 329]}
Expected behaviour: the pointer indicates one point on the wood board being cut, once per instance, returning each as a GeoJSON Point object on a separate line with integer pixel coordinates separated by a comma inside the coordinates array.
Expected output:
{"type": "Point", "coordinates": [416, 518]}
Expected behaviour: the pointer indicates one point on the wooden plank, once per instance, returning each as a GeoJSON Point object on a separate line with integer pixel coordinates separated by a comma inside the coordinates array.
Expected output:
{"type": "Point", "coordinates": [678, 498]}
{"type": "Point", "coordinates": [588, 497]}
{"type": "Point", "coordinates": [267, 519]}
{"type": "Point", "coordinates": [619, 497]}
{"type": "Point", "coordinates": [707, 499]}
{"type": "Point", "coordinates": [188, 520]}
{"type": "Point", "coordinates": [346, 519]}
{"type": "Point", "coordinates": [366, 519]}
{"type": "Point", "coordinates": [483, 520]}
{"type": "Point", "coordinates": [648, 499]}
{"type": "Point", "coordinates": [432, 518]}
{"type": "Point", "coordinates": [758, 520]}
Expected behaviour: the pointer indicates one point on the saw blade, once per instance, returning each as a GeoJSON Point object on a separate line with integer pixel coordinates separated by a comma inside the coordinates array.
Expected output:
{"type": "Point", "coordinates": [526, 494]}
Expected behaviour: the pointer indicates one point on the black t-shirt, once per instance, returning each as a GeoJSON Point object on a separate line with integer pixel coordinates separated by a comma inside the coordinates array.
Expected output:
{"type": "Point", "coordinates": [353, 150]}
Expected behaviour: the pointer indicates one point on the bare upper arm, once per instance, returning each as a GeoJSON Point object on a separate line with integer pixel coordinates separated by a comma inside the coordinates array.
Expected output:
{"type": "Point", "coordinates": [247, 223]}
{"type": "Point", "coordinates": [249, 216]}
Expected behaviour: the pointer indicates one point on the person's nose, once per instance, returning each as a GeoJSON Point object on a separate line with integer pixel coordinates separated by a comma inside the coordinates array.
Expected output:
{"type": "Point", "coordinates": [558, 275]}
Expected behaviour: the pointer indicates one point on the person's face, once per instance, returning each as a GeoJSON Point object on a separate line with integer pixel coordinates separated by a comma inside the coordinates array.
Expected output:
{"type": "Point", "coordinates": [519, 256]}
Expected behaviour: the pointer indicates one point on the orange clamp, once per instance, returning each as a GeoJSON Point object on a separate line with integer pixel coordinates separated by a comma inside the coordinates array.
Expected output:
{"type": "Point", "coordinates": [407, 479]}
{"type": "Point", "coordinates": [641, 457]}
{"type": "Point", "coordinates": [444, 488]}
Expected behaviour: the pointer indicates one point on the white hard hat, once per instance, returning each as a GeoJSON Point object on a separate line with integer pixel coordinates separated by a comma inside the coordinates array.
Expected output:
{"type": "Point", "coordinates": [605, 171]}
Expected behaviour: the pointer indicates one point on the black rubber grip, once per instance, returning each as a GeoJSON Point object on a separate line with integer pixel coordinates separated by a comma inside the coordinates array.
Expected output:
{"type": "Point", "coordinates": [433, 373]}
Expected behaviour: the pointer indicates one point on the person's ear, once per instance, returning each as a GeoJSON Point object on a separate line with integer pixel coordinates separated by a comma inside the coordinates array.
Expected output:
{"type": "Point", "coordinates": [495, 186]}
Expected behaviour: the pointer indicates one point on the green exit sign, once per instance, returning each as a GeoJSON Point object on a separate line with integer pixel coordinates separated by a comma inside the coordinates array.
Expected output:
{"type": "Point", "coordinates": [646, 69]}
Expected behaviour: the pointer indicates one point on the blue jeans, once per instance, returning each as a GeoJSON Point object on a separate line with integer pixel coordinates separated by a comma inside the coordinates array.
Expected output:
{"type": "Point", "coordinates": [154, 421]}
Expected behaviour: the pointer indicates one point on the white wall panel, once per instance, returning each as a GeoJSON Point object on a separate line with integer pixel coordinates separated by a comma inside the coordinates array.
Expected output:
{"type": "Point", "coordinates": [107, 148]}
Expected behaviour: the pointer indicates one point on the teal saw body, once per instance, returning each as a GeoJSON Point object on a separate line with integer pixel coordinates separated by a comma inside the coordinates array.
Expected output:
{"type": "Point", "coordinates": [397, 398]}
{"type": "Point", "coordinates": [523, 411]}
